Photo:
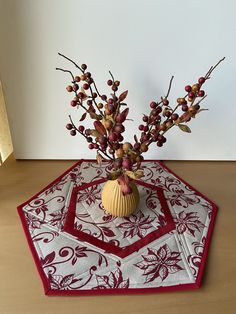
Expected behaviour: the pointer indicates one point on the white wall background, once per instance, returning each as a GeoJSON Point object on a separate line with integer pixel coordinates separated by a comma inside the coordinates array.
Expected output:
{"type": "Point", "coordinates": [143, 42]}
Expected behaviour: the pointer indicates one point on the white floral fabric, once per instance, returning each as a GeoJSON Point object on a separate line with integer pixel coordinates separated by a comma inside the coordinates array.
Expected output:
{"type": "Point", "coordinates": [80, 249]}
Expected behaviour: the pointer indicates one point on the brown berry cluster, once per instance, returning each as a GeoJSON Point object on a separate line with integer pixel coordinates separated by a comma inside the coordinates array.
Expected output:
{"type": "Point", "coordinates": [110, 112]}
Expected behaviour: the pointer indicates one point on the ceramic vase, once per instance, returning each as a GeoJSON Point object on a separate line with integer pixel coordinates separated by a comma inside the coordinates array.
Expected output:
{"type": "Point", "coordinates": [117, 204]}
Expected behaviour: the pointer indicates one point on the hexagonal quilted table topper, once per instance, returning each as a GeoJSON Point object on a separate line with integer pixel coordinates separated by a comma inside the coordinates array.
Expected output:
{"type": "Point", "coordinates": [79, 249]}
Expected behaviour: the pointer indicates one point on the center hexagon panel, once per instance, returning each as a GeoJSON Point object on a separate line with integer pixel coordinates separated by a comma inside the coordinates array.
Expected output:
{"type": "Point", "coordinates": [87, 220]}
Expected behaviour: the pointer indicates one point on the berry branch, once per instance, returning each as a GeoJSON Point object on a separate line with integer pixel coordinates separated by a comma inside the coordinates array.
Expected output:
{"type": "Point", "coordinates": [108, 120]}
{"type": "Point", "coordinates": [81, 130]}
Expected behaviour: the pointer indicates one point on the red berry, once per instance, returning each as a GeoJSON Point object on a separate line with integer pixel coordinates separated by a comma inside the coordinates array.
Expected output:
{"type": "Point", "coordinates": [120, 138]}
{"type": "Point", "coordinates": [141, 126]}
{"type": "Point", "coordinates": [69, 126]}
{"type": "Point", "coordinates": [160, 137]}
{"type": "Point", "coordinates": [127, 163]}
{"type": "Point", "coordinates": [174, 116]}
{"type": "Point", "coordinates": [201, 93]}
{"type": "Point", "coordinates": [73, 103]}
{"type": "Point", "coordinates": [168, 114]}
{"type": "Point", "coordinates": [191, 95]}
{"type": "Point", "coordinates": [114, 88]}
{"type": "Point", "coordinates": [77, 79]}
{"type": "Point", "coordinates": [87, 74]}
{"type": "Point", "coordinates": [163, 139]}
{"type": "Point", "coordinates": [110, 101]}
{"type": "Point", "coordinates": [84, 66]}
{"type": "Point", "coordinates": [73, 132]}
{"type": "Point", "coordinates": [154, 112]}
{"type": "Point", "coordinates": [104, 97]}
{"type": "Point", "coordinates": [95, 146]}
{"type": "Point", "coordinates": [86, 86]}
{"type": "Point", "coordinates": [145, 118]}
{"type": "Point", "coordinates": [185, 108]}
{"type": "Point", "coordinates": [119, 128]}
{"type": "Point", "coordinates": [145, 128]}
{"type": "Point", "coordinates": [153, 104]}
{"type": "Point", "coordinates": [109, 82]}
{"type": "Point", "coordinates": [112, 137]}
{"type": "Point", "coordinates": [165, 102]}
{"type": "Point", "coordinates": [145, 137]}
{"type": "Point", "coordinates": [89, 80]}
{"type": "Point", "coordinates": [158, 109]}
{"type": "Point", "coordinates": [81, 95]}
{"type": "Point", "coordinates": [159, 144]}
{"type": "Point", "coordinates": [81, 128]}
{"type": "Point", "coordinates": [201, 80]}
{"type": "Point", "coordinates": [137, 146]}
{"type": "Point", "coordinates": [75, 87]}
{"type": "Point", "coordinates": [188, 88]}
{"type": "Point", "coordinates": [104, 147]}
{"type": "Point", "coordinates": [91, 146]}
{"type": "Point", "coordinates": [154, 138]}
{"type": "Point", "coordinates": [89, 139]}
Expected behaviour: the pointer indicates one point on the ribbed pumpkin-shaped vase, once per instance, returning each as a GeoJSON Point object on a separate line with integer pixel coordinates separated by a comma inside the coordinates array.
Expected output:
{"type": "Point", "coordinates": [116, 203]}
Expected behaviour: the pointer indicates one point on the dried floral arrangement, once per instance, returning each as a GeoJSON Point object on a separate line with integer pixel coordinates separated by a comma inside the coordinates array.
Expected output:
{"type": "Point", "coordinates": [110, 112]}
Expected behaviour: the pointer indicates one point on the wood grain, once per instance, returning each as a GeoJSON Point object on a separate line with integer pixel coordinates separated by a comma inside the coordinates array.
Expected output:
{"type": "Point", "coordinates": [20, 286]}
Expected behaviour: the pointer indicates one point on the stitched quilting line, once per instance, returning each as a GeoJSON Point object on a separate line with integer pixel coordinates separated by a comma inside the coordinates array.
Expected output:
{"type": "Point", "coordinates": [110, 247]}
{"type": "Point", "coordinates": [120, 234]}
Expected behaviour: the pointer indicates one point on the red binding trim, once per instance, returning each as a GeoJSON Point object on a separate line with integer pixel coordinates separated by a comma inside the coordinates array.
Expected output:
{"type": "Point", "coordinates": [210, 228]}
{"type": "Point", "coordinates": [49, 291]}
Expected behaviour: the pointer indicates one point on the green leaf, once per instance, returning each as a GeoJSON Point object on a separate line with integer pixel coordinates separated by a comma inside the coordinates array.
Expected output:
{"type": "Point", "coordinates": [94, 133]}
{"type": "Point", "coordinates": [95, 116]}
{"type": "Point", "coordinates": [135, 174]}
{"type": "Point", "coordinates": [113, 175]}
{"type": "Point", "coordinates": [184, 128]}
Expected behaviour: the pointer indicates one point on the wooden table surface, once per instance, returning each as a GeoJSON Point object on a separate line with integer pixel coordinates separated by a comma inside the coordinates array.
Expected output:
{"type": "Point", "coordinates": [20, 286]}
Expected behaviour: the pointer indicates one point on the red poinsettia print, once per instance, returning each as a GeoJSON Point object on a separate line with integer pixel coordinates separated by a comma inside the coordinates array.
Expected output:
{"type": "Point", "coordinates": [136, 225]}
{"type": "Point", "coordinates": [33, 222]}
{"type": "Point", "coordinates": [159, 263]}
{"type": "Point", "coordinates": [112, 280]}
{"type": "Point", "coordinates": [188, 222]}
{"type": "Point", "coordinates": [89, 195]}
{"type": "Point", "coordinates": [62, 282]}
{"type": "Point", "coordinates": [58, 217]}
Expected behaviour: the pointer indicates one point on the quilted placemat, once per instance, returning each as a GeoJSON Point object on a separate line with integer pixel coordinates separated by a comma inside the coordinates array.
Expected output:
{"type": "Point", "coordinates": [79, 249]}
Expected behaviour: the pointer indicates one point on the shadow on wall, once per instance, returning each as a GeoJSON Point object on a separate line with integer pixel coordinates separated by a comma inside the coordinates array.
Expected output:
{"type": "Point", "coordinates": [5, 137]}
